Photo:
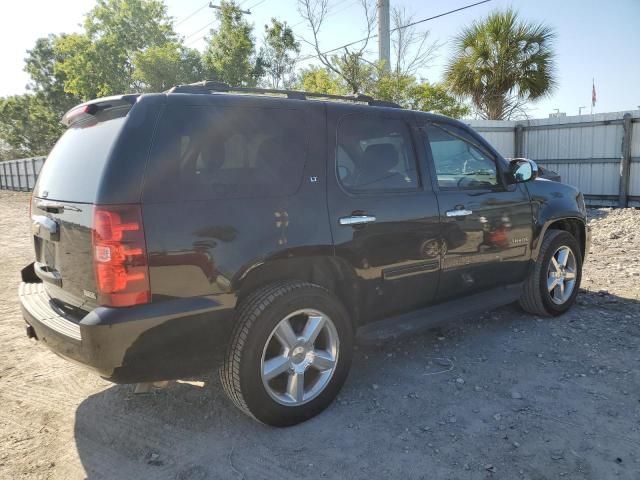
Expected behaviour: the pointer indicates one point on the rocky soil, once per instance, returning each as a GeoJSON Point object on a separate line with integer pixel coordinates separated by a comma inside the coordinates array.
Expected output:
{"type": "Point", "coordinates": [501, 395]}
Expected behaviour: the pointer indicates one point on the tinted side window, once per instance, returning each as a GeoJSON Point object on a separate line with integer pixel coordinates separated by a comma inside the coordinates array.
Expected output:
{"type": "Point", "coordinates": [458, 162]}
{"type": "Point", "coordinates": [212, 152]}
{"type": "Point", "coordinates": [375, 153]}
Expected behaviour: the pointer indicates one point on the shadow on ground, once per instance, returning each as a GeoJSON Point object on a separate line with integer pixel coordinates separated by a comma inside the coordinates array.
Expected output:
{"type": "Point", "coordinates": [501, 395]}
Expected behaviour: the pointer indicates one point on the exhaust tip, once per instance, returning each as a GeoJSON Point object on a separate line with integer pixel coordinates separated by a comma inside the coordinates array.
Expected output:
{"type": "Point", "coordinates": [31, 333]}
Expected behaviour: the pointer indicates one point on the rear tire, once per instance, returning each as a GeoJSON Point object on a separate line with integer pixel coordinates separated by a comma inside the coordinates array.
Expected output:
{"type": "Point", "coordinates": [554, 281]}
{"type": "Point", "coordinates": [289, 354]}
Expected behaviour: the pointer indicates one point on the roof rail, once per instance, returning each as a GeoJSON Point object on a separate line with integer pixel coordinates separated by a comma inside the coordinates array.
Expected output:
{"type": "Point", "coordinates": [208, 86]}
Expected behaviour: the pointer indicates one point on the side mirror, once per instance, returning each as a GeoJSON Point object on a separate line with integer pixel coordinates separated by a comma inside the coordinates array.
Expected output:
{"type": "Point", "coordinates": [523, 170]}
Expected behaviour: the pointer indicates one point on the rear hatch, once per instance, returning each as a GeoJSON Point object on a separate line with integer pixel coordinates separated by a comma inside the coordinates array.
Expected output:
{"type": "Point", "coordinates": [62, 206]}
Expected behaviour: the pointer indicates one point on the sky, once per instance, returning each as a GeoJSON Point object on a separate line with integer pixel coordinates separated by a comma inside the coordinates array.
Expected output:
{"type": "Point", "coordinates": [595, 39]}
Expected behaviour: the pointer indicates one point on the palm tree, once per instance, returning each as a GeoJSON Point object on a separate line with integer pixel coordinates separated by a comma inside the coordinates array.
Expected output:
{"type": "Point", "coordinates": [501, 63]}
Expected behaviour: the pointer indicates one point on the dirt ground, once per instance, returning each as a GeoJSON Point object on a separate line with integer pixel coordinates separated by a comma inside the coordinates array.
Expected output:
{"type": "Point", "coordinates": [500, 395]}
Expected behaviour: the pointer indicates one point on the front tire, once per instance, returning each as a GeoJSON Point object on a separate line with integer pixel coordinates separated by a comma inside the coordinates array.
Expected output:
{"type": "Point", "coordinates": [553, 283]}
{"type": "Point", "coordinates": [289, 354]}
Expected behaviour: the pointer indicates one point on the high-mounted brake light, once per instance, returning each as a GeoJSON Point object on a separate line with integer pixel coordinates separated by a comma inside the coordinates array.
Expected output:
{"type": "Point", "coordinates": [119, 256]}
{"type": "Point", "coordinates": [77, 113]}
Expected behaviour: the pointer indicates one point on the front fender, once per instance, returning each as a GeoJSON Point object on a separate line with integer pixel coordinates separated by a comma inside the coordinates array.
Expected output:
{"type": "Point", "coordinates": [554, 202]}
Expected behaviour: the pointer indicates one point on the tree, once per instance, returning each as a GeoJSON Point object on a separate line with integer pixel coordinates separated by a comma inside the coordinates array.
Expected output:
{"type": "Point", "coordinates": [100, 61]}
{"type": "Point", "coordinates": [279, 54]}
{"type": "Point", "coordinates": [501, 63]}
{"type": "Point", "coordinates": [321, 80]}
{"type": "Point", "coordinates": [408, 93]}
{"type": "Point", "coordinates": [158, 68]}
{"type": "Point", "coordinates": [350, 65]}
{"type": "Point", "coordinates": [40, 64]}
{"type": "Point", "coordinates": [28, 125]}
{"type": "Point", "coordinates": [411, 49]}
{"type": "Point", "coordinates": [230, 56]}
{"type": "Point", "coordinates": [435, 98]}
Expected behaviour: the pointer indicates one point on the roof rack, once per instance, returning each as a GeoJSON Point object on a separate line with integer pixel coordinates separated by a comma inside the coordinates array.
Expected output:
{"type": "Point", "coordinates": [208, 86]}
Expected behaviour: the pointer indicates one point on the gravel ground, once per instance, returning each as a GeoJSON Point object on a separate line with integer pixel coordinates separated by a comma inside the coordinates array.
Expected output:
{"type": "Point", "coordinates": [500, 395]}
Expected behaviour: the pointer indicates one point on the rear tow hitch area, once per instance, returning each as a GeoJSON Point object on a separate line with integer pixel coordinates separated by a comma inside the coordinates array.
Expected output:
{"type": "Point", "coordinates": [31, 332]}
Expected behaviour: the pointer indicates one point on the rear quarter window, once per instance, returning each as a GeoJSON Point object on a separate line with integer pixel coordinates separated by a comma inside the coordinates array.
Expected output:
{"type": "Point", "coordinates": [203, 152]}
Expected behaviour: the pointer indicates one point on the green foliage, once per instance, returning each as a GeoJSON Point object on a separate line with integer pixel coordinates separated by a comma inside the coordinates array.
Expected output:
{"type": "Point", "coordinates": [356, 73]}
{"type": "Point", "coordinates": [279, 54]}
{"type": "Point", "coordinates": [392, 86]}
{"type": "Point", "coordinates": [230, 56]}
{"type": "Point", "coordinates": [158, 68]}
{"type": "Point", "coordinates": [321, 80]}
{"type": "Point", "coordinates": [435, 98]}
{"type": "Point", "coordinates": [40, 64]}
{"type": "Point", "coordinates": [100, 61]}
{"type": "Point", "coordinates": [407, 92]}
{"type": "Point", "coordinates": [501, 63]}
{"type": "Point", "coordinates": [28, 125]}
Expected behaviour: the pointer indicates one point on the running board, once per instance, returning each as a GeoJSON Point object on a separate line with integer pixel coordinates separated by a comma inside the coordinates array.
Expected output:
{"type": "Point", "coordinates": [429, 317]}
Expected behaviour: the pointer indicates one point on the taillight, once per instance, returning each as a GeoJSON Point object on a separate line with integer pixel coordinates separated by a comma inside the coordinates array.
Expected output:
{"type": "Point", "coordinates": [120, 256]}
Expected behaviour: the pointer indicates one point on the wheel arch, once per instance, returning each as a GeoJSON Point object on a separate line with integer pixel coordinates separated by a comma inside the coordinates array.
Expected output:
{"type": "Point", "coordinates": [329, 272]}
{"type": "Point", "coordinates": [576, 226]}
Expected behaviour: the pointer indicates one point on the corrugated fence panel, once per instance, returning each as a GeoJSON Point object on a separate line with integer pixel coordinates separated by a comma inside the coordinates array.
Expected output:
{"type": "Point", "coordinates": [500, 134]}
{"type": "Point", "coordinates": [503, 142]}
{"type": "Point", "coordinates": [584, 150]}
{"type": "Point", "coordinates": [20, 175]}
{"type": "Point", "coordinates": [590, 177]}
{"type": "Point", "coordinates": [634, 183]}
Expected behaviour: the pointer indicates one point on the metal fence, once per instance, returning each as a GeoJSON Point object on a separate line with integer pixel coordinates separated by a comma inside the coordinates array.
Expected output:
{"type": "Point", "coordinates": [599, 154]}
{"type": "Point", "coordinates": [20, 175]}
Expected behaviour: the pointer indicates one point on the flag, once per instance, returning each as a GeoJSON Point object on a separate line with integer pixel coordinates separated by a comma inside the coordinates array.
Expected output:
{"type": "Point", "coordinates": [593, 94]}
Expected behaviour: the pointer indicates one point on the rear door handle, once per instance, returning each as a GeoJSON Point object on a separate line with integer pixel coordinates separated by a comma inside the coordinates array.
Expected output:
{"type": "Point", "coordinates": [357, 219]}
{"type": "Point", "coordinates": [458, 212]}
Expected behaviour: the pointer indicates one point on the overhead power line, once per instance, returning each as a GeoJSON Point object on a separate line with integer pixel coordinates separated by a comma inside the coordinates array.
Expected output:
{"type": "Point", "coordinates": [192, 14]}
{"type": "Point", "coordinates": [256, 4]}
{"type": "Point", "coordinates": [248, 11]}
{"type": "Point", "coordinates": [198, 31]}
{"type": "Point", "coordinates": [402, 27]}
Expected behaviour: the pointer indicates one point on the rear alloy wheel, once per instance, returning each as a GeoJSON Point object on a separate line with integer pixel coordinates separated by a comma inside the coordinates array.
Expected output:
{"type": "Point", "coordinates": [554, 280]}
{"type": "Point", "coordinates": [290, 353]}
{"type": "Point", "coordinates": [300, 357]}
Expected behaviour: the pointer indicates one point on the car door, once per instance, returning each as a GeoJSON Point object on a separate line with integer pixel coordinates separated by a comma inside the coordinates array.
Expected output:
{"type": "Point", "coordinates": [486, 220]}
{"type": "Point", "coordinates": [383, 211]}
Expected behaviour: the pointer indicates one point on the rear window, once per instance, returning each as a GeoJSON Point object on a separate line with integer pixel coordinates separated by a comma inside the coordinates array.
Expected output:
{"type": "Point", "coordinates": [203, 152]}
{"type": "Point", "coordinates": [73, 169]}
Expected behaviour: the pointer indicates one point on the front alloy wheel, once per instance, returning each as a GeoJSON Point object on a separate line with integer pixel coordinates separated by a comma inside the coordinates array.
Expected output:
{"type": "Point", "coordinates": [554, 279]}
{"type": "Point", "coordinates": [561, 275]}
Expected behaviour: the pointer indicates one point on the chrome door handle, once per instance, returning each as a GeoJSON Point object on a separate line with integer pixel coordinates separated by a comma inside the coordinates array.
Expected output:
{"type": "Point", "coordinates": [458, 212]}
{"type": "Point", "coordinates": [357, 219]}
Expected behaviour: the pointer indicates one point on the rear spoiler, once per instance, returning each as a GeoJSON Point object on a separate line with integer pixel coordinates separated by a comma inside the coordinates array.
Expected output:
{"type": "Point", "coordinates": [90, 108]}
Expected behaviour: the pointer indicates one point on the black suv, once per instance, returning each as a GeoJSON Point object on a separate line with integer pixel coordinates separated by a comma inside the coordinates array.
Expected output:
{"type": "Point", "coordinates": [170, 226]}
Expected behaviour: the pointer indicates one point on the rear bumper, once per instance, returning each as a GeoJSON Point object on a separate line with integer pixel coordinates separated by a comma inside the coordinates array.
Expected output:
{"type": "Point", "coordinates": [158, 341]}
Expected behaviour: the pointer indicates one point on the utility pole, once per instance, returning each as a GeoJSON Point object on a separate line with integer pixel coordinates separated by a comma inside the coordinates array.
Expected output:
{"type": "Point", "coordinates": [384, 40]}
{"type": "Point", "coordinates": [217, 7]}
